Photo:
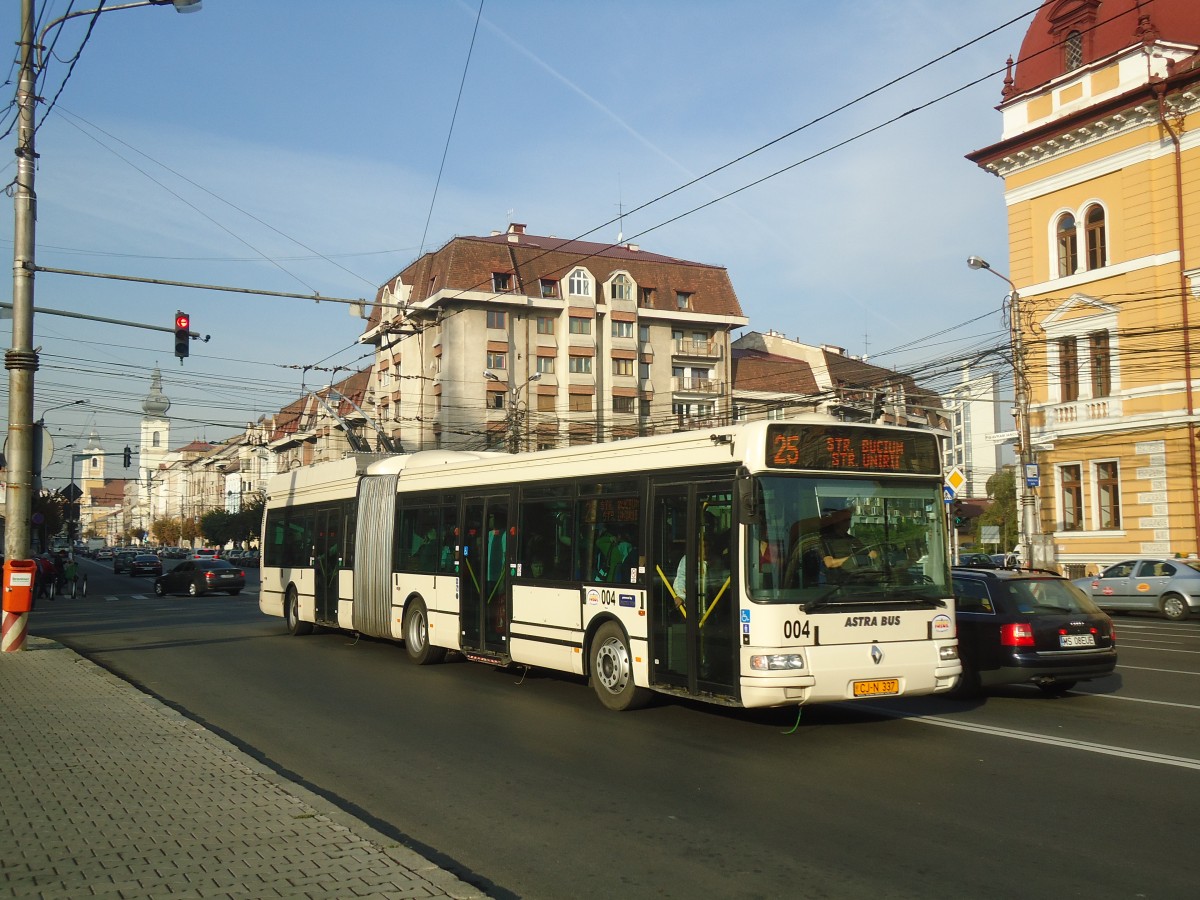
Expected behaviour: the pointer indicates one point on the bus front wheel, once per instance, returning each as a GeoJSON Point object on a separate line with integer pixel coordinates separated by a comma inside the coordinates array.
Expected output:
{"type": "Point", "coordinates": [416, 635]}
{"type": "Point", "coordinates": [612, 670]}
{"type": "Point", "coordinates": [291, 614]}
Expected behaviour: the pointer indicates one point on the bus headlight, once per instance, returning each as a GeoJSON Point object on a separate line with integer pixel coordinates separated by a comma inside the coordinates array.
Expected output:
{"type": "Point", "coordinates": [948, 652]}
{"type": "Point", "coordinates": [777, 661]}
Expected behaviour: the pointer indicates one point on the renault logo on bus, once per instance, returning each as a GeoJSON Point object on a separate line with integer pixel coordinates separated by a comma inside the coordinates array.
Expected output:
{"type": "Point", "coordinates": [876, 654]}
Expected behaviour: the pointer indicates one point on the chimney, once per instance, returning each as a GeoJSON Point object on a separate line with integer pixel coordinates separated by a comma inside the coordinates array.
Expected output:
{"type": "Point", "coordinates": [516, 228]}
{"type": "Point", "coordinates": [633, 248]}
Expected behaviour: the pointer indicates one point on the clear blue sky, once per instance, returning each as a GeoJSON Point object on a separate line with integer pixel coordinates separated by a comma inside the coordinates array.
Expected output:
{"type": "Point", "coordinates": [294, 145]}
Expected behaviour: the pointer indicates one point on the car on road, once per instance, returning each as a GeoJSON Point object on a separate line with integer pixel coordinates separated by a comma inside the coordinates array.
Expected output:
{"type": "Point", "coordinates": [122, 560]}
{"type": "Point", "coordinates": [145, 564]}
{"type": "Point", "coordinates": [1028, 627]}
{"type": "Point", "coordinates": [103, 553]}
{"type": "Point", "coordinates": [200, 576]}
{"type": "Point", "coordinates": [1169, 587]}
{"type": "Point", "coordinates": [204, 553]}
{"type": "Point", "coordinates": [976, 560]}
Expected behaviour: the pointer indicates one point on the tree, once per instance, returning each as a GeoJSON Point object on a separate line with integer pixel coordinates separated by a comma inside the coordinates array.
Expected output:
{"type": "Point", "coordinates": [1002, 488]}
{"type": "Point", "coordinates": [188, 531]}
{"type": "Point", "coordinates": [218, 527]}
{"type": "Point", "coordinates": [48, 516]}
{"type": "Point", "coordinates": [166, 531]}
{"type": "Point", "coordinates": [249, 518]}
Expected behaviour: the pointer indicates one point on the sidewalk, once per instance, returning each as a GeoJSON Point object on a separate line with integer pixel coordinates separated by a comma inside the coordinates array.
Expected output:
{"type": "Point", "coordinates": [105, 792]}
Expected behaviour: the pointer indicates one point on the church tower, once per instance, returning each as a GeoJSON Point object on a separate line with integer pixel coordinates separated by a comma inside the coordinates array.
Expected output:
{"type": "Point", "coordinates": [152, 449]}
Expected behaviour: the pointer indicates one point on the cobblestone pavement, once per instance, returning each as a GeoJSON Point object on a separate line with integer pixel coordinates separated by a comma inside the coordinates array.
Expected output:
{"type": "Point", "coordinates": [106, 792]}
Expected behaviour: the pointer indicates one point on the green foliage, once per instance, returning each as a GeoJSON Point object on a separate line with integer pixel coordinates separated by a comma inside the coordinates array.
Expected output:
{"type": "Point", "coordinates": [1002, 488]}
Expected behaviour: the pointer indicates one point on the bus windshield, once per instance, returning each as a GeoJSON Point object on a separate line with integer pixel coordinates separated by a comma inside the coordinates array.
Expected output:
{"type": "Point", "coordinates": [822, 541]}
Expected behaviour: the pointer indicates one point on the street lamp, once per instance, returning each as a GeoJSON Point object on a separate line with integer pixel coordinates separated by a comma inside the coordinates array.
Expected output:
{"type": "Point", "coordinates": [515, 413]}
{"type": "Point", "coordinates": [42, 417]}
{"type": "Point", "coordinates": [22, 359]}
{"type": "Point", "coordinates": [1027, 478]}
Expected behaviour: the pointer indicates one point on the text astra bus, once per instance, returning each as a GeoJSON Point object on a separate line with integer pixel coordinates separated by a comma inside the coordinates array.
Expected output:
{"type": "Point", "coordinates": [765, 564]}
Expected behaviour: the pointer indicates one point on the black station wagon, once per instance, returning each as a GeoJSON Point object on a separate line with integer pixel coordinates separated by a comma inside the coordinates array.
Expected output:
{"type": "Point", "coordinates": [1028, 627]}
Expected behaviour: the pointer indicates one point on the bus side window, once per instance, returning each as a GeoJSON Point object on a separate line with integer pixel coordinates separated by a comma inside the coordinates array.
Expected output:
{"type": "Point", "coordinates": [546, 536]}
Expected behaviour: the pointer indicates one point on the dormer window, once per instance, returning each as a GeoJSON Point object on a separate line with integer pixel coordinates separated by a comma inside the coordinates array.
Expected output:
{"type": "Point", "coordinates": [620, 288]}
{"type": "Point", "coordinates": [683, 300]}
{"type": "Point", "coordinates": [549, 288]}
{"type": "Point", "coordinates": [501, 282]}
{"type": "Point", "coordinates": [579, 284]}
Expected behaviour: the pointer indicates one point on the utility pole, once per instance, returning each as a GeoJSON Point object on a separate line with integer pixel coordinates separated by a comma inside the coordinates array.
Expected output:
{"type": "Point", "coordinates": [1027, 477]}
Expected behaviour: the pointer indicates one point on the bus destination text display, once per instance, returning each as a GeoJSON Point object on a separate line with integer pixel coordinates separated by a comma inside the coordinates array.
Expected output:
{"type": "Point", "coordinates": [846, 449]}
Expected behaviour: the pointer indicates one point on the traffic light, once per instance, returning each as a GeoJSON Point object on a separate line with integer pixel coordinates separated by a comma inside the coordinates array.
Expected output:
{"type": "Point", "coordinates": [128, 456]}
{"type": "Point", "coordinates": [960, 518]}
{"type": "Point", "coordinates": [183, 325]}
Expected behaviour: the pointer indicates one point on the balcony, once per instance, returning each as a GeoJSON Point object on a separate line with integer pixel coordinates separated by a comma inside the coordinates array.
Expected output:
{"type": "Point", "coordinates": [693, 349]}
{"type": "Point", "coordinates": [705, 386]}
{"type": "Point", "coordinates": [1100, 409]}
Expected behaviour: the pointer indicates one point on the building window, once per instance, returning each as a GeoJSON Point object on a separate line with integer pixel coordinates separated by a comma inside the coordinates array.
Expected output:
{"type": "Point", "coordinates": [1068, 369]}
{"type": "Point", "coordinates": [495, 400]}
{"type": "Point", "coordinates": [1108, 495]}
{"type": "Point", "coordinates": [545, 325]}
{"type": "Point", "coordinates": [549, 288]}
{"type": "Point", "coordinates": [501, 282]}
{"type": "Point", "coordinates": [579, 284]}
{"type": "Point", "coordinates": [622, 329]}
{"type": "Point", "coordinates": [620, 288]}
{"type": "Point", "coordinates": [580, 365]}
{"type": "Point", "coordinates": [1071, 485]}
{"type": "Point", "coordinates": [644, 371]}
{"type": "Point", "coordinates": [1094, 232]}
{"type": "Point", "coordinates": [580, 403]}
{"type": "Point", "coordinates": [643, 407]}
{"type": "Point", "coordinates": [644, 334]}
{"type": "Point", "coordinates": [1101, 364]}
{"type": "Point", "coordinates": [1074, 50]}
{"type": "Point", "coordinates": [1068, 245]}
{"type": "Point", "coordinates": [497, 359]}
{"type": "Point", "coordinates": [580, 325]}
{"type": "Point", "coordinates": [545, 402]}
{"type": "Point", "coordinates": [622, 367]}
{"type": "Point", "coordinates": [645, 296]}
{"type": "Point", "coordinates": [623, 404]}
{"type": "Point", "coordinates": [683, 300]}
{"type": "Point", "coordinates": [545, 365]}
{"type": "Point", "coordinates": [495, 318]}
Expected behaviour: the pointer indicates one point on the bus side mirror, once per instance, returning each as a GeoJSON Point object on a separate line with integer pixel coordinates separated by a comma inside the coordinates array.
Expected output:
{"type": "Point", "coordinates": [746, 494]}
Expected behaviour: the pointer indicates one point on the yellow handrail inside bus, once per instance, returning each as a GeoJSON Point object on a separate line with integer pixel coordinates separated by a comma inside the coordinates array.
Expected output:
{"type": "Point", "coordinates": [475, 581]}
{"type": "Point", "coordinates": [713, 605]}
{"type": "Point", "coordinates": [671, 590]}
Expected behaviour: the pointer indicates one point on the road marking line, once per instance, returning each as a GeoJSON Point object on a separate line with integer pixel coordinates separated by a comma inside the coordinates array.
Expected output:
{"type": "Point", "coordinates": [1137, 700]}
{"type": "Point", "coordinates": [1149, 669]}
{"type": "Point", "coordinates": [1087, 746]}
{"type": "Point", "coordinates": [1125, 645]}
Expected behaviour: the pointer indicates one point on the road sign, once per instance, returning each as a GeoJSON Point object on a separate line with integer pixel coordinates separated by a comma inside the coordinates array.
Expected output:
{"type": "Point", "coordinates": [955, 479]}
{"type": "Point", "coordinates": [1031, 475]}
{"type": "Point", "coordinates": [948, 494]}
{"type": "Point", "coordinates": [72, 492]}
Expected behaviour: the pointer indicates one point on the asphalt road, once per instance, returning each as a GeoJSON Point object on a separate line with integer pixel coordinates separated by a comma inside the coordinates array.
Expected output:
{"type": "Point", "coordinates": [524, 785]}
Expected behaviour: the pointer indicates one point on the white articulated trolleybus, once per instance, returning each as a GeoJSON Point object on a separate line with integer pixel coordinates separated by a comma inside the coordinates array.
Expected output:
{"type": "Point", "coordinates": [764, 564]}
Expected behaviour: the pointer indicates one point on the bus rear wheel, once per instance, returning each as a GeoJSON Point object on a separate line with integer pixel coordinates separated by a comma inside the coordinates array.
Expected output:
{"type": "Point", "coordinates": [416, 635]}
{"type": "Point", "coordinates": [291, 614]}
{"type": "Point", "coordinates": [612, 670]}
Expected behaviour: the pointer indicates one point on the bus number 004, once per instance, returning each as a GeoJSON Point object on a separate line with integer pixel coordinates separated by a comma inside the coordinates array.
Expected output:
{"type": "Point", "coordinates": [796, 629]}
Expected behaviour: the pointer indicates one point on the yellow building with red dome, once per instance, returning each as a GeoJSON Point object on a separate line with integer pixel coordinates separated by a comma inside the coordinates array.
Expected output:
{"type": "Point", "coordinates": [1100, 156]}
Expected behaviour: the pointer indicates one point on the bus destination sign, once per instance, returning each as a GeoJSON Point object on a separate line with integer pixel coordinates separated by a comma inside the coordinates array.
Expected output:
{"type": "Point", "coordinates": [844, 448]}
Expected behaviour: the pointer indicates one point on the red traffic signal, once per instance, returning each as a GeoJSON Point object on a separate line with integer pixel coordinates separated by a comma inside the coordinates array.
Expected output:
{"type": "Point", "coordinates": [183, 325]}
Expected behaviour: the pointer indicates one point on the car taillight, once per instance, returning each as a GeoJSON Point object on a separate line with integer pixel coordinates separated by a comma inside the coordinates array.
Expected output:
{"type": "Point", "coordinates": [209, 576]}
{"type": "Point", "coordinates": [241, 574]}
{"type": "Point", "coordinates": [1016, 634]}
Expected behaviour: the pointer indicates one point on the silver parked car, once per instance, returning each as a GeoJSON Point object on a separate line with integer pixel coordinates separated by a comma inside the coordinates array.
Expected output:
{"type": "Point", "coordinates": [1170, 587]}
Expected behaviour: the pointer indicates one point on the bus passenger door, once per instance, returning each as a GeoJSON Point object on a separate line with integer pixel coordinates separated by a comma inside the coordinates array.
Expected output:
{"type": "Point", "coordinates": [692, 599]}
{"type": "Point", "coordinates": [483, 574]}
{"type": "Point", "coordinates": [327, 562]}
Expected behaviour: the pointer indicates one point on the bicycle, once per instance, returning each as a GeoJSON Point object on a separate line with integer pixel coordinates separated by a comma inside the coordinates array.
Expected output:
{"type": "Point", "coordinates": [79, 586]}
